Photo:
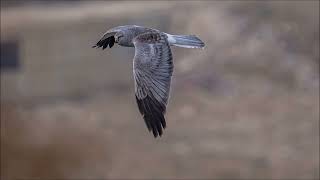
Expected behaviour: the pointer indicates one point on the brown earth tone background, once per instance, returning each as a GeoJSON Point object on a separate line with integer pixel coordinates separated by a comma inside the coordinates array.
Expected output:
{"type": "Point", "coordinates": [245, 107]}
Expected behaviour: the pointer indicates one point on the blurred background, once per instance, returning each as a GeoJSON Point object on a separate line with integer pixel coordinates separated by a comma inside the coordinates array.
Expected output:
{"type": "Point", "coordinates": [245, 107]}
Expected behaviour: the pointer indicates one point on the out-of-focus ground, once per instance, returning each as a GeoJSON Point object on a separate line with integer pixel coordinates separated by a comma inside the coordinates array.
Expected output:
{"type": "Point", "coordinates": [247, 106]}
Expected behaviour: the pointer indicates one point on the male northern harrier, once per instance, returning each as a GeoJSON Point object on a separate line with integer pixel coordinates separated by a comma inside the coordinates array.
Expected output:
{"type": "Point", "coordinates": [152, 67]}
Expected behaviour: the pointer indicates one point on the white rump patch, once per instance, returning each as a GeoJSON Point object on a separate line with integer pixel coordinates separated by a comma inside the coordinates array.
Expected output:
{"type": "Point", "coordinates": [171, 39]}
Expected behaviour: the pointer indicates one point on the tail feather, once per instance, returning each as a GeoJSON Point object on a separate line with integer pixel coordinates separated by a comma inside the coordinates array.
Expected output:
{"type": "Point", "coordinates": [186, 41]}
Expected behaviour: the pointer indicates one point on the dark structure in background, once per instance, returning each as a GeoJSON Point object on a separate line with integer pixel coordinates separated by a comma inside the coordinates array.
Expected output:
{"type": "Point", "coordinates": [9, 56]}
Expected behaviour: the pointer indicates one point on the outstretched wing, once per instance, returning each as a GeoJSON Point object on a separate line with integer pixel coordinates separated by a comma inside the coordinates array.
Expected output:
{"type": "Point", "coordinates": [152, 71]}
{"type": "Point", "coordinates": [106, 39]}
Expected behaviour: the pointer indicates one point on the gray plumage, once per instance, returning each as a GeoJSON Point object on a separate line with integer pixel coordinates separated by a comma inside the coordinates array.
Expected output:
{"type": "Point", "coordinates": [152, 67]}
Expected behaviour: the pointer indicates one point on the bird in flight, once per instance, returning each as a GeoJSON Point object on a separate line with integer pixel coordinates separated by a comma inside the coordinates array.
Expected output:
{"type": "Point", "coordinates": [152, 67]}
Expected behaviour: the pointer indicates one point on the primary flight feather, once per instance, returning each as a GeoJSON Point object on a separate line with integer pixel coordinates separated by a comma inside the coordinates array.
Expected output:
{"type": "Point", "coordinates": [152, 67]}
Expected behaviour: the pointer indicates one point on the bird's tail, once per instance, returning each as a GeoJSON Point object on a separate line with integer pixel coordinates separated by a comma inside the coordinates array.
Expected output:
{"type": "Point", "coordinates": [185, 41]}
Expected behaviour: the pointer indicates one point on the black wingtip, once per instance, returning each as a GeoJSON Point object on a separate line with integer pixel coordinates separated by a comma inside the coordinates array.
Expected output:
{"type": "Point", "coordinates": [104, 43]}
{"type": "Point", "coordinates": [153, 115]}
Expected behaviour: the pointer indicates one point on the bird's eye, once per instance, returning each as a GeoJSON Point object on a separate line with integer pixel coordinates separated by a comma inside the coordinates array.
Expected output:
{"type": "Point", "coordinates": [117, 38]}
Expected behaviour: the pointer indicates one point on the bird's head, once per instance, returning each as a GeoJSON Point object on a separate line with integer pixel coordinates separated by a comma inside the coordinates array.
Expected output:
{"type": "Point", "coordinates": [118, 37]}
{"type": "Point", "coordinates": [123, 38]}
